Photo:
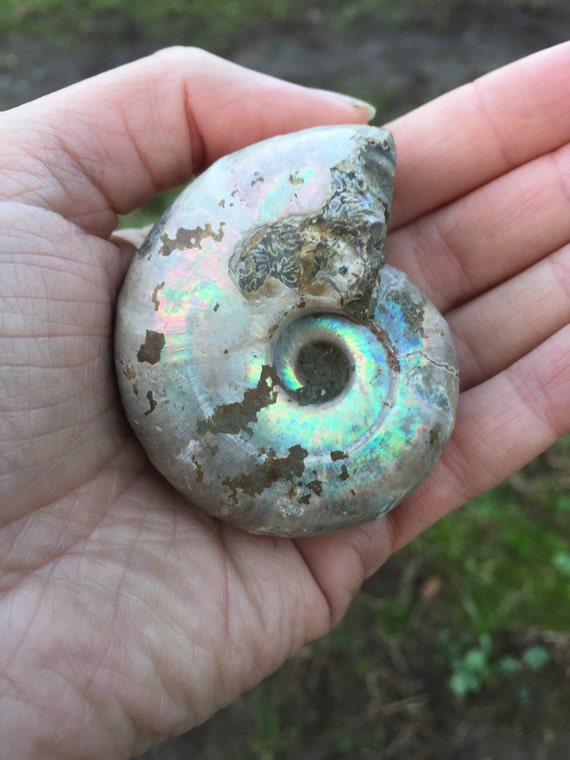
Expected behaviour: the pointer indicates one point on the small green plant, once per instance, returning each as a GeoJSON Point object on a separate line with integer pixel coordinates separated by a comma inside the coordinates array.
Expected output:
{"type": "Point", "coordinates": [471, 669]}
{"type": "Point", "coordinates": [561, 561]}
{"type": "Point", "coordinates": [474, 666]}
{"type": "Point", "coordinates": [536, 657]}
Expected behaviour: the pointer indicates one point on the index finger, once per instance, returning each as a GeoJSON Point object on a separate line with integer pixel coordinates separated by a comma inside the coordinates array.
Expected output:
{"type": "Point", "coordinates": [470, 136]}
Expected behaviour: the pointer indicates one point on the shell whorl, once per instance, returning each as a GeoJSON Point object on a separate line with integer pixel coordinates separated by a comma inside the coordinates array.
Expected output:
{"type": "Point", "coordinates": [276, 371]}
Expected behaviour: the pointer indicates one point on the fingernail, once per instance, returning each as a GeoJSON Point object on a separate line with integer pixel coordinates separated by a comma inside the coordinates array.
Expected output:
{"type": "Point", "coordinates": [340, 97]}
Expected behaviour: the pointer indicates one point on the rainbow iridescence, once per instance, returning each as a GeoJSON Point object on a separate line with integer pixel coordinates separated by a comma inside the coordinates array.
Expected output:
{"type": "Point", "coordinates": [275, 251]}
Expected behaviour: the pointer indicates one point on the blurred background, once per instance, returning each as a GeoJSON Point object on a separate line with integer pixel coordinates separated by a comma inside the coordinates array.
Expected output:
{"type": "Point", "coordinates": [460, 646]}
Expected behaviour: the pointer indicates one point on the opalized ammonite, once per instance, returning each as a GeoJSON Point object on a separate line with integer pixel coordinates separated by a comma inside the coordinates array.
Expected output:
{"type": "Point", "coordinates": [276, 371]}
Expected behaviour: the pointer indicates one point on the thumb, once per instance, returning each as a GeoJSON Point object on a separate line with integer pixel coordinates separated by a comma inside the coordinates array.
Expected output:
{"type": "Point", "coordinates": [106, 145]}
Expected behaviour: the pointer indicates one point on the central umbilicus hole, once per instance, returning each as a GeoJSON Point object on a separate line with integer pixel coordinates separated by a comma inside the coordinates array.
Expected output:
{"type": "Point", "coordinates": [324, 370]}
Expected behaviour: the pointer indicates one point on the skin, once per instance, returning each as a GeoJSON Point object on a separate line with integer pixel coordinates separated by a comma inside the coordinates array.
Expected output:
{"type": "Point", "coordinates": [125, 615]}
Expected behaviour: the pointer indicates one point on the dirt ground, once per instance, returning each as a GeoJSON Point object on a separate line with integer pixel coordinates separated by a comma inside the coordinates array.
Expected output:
{"type": "Point", "coordinates": [396, 69]}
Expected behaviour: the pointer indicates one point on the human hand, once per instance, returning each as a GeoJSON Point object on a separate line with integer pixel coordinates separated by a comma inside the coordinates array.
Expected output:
{"type": "Point", "coordinates": [125, 614]}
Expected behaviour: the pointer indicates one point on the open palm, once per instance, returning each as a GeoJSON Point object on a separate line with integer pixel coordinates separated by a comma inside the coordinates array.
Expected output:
{"type": "Point", "coordinates": [125, 614]}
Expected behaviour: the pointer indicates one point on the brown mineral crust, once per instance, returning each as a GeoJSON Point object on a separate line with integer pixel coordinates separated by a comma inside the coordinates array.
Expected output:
{"type": "Point", "coordinates": [154, 298]}
{"type": "Point", "coordinates": [391, 353]}
{"type": "Point", "coordinates": [190, 238]}
{"type": "Point", "coordinates": [151, 348]}
{"type": "Point", "coordinates": [268, 472]}
{"type": "Point", "coordinates": [152, 403]}
{"type": "Point", "coordinates": [232, 418]}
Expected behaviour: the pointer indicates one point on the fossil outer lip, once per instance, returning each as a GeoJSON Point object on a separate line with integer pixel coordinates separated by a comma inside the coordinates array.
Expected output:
{"type": "Point", "coordinates": [278, 373]}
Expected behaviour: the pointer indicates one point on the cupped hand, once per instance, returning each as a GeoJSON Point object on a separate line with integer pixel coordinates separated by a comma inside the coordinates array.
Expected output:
{"type": "Point", "coordinates": [126, 615]}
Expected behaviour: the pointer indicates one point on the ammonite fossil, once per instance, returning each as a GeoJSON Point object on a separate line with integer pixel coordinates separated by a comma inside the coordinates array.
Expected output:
{"type": "Point", "coordinates": [276, 371]}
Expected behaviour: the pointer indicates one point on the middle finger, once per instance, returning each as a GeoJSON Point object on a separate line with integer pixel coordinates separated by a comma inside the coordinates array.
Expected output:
{"type": "Point", "coordinates": [473, 244]}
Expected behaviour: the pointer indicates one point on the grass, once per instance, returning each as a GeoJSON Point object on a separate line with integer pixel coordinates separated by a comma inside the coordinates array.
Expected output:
{"type": "Point", "coordinates": [510, 558]}
{"type": "Point", "coordinates": [216, 23]}
{"type": "Point", "coordinates": [203, 22]}
{"type": "Point", "coordinates": [211, 24]}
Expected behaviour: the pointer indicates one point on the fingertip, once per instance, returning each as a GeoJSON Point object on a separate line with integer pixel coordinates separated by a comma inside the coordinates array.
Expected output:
{"type": "Point", "coordinates": [359, 111]}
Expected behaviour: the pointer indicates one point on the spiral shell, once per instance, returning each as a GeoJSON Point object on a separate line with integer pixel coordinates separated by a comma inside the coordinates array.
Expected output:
{"type": "Point", "coordinates": [277, 373]}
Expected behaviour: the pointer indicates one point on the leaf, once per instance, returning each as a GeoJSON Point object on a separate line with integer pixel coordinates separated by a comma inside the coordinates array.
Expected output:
{"type": "Point", "coordinates": [561, 561]}
{"type": "Point", "coordinates": [536, 657]}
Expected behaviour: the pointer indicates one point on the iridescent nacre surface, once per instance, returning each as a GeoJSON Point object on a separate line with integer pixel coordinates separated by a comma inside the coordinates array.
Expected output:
{"type": "Point", "coordinates": [276, 371]}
